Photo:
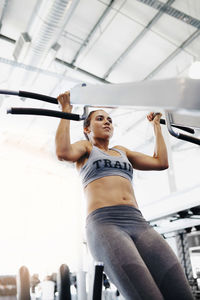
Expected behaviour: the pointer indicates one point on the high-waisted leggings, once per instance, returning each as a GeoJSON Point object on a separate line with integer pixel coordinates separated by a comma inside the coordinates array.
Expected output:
{"type": "Point", "coordinates": [136, 258]}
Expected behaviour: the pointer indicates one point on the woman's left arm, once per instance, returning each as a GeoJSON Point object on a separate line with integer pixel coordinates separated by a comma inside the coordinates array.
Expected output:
{"type": "Point", "coordinates": [159, 160]}
{"type": "Point", "coordinates": [160, 151]}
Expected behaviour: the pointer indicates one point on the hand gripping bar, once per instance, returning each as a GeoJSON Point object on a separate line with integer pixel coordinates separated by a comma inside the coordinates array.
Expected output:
{"type": "Point", "coordinates": [42, 112]}
{"type": "Point", "coordinates": [57, 114]}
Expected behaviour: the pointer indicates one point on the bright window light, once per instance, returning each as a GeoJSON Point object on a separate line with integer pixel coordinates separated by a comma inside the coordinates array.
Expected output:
{"type": "Point", "coordinates": [194, 71]}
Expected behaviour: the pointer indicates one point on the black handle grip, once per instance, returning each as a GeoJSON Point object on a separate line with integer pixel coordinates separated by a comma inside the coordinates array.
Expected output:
{"type": "Point", "coordinates": [187, 129]}
{"type": "Point", "coordinates": [38, 97]}
{"type": "Point", "coordinates": [43, 112]}
{"type": "Point", "coordinates": [189, 138]}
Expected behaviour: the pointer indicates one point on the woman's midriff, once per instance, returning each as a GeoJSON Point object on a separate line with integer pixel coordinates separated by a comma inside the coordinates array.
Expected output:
{"type": "Point", "coordinates": [108, 191]}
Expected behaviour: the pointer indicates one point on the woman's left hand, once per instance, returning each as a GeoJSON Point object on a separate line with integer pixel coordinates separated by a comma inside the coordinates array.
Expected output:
{"type": "Point", "coordinates": [154, 118]}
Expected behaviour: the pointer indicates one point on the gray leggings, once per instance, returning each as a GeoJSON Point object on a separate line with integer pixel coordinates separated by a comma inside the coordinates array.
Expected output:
{"type": "Point", "coordinates": [136, 258]}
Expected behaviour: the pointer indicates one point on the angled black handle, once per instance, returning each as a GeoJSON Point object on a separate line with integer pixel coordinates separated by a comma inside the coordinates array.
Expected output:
{"type": "Point", "coordinates": [43, 112]}
{"type": "Point", "coordinates": [188, 138]}
{"type": "Point", "coordinates": [38, 97]}
{"type": "Point", "coordinates": [30, 95]}
{"type": "Point", "coordinates": [187, 129]}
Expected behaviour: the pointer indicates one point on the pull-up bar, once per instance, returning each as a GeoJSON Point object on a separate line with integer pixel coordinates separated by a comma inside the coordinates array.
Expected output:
{"type": "Point", "coordinates": [25, 94]}
{"type": "Point", "coordinates": [157, 94]}
{"type": "Point", "coordinates": [38, 111]}
{"type": "Point", "coordinates": [54, 113]}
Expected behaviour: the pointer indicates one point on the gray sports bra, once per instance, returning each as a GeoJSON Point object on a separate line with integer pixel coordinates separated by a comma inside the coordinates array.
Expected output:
{"type": "Point", "coordinates": [101, 164]}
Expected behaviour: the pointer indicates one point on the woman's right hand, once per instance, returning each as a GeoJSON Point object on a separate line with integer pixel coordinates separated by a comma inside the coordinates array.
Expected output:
{"type": "Point", "coordinates": [64, 100]}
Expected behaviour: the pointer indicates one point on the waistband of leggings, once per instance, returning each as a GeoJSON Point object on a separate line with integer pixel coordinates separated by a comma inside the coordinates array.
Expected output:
{"type": "Point", "coordinates": [115, 210]}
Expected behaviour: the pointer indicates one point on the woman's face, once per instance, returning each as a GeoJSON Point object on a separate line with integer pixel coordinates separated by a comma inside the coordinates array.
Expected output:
{"type": "Point", "coordinates": [100, 125]}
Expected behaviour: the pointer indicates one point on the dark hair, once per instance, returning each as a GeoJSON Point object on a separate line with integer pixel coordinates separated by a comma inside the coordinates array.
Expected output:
{"type": "Point", "coordinates": [86, 123]}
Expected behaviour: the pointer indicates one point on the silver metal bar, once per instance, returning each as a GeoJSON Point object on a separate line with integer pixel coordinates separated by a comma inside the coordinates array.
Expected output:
{"type": "Point", "coordinates": [8, 92]}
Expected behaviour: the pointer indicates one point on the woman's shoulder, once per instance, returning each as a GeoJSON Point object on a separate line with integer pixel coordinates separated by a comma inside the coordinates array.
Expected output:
{"type": "Point", "coordinates": [122, 148]}
{"type": "Point", "coordinates": [127, 151]}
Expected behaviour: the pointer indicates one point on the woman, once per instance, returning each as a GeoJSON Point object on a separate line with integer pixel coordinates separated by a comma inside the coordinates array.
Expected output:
{"type": "Point", "coordinates": [136, 258]}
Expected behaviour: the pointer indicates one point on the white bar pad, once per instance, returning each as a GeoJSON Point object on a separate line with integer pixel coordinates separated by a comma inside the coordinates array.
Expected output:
{"type": "Point", "coordinates": [178, 93]}
{"type": "Point", "coordinates": [186, 118]}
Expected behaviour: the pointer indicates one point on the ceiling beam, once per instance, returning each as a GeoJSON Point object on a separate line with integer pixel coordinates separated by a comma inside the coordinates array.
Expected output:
{"type": "Point", "coordinates": [3, 7]}
{"type": "Point", "coordinates": [189, 40]}
{"type": "Point", "coordinates": [7, 39]}
{"type": "Point", "coordinates": [72, 66]}
{"type": "Point", "coordinates": [92, 32]}
{"type": "Point", "coordinates": [138, 38]}
{"type": "Point", "coordinates": [173, 12]}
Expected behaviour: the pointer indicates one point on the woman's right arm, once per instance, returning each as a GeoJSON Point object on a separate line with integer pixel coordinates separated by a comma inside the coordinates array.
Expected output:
{"type": "Point", "coordinates": [64, 149]}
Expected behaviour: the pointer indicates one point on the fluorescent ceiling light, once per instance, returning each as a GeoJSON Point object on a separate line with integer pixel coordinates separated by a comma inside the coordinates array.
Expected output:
{"type": "Point", "coordinates": [194, 71]}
